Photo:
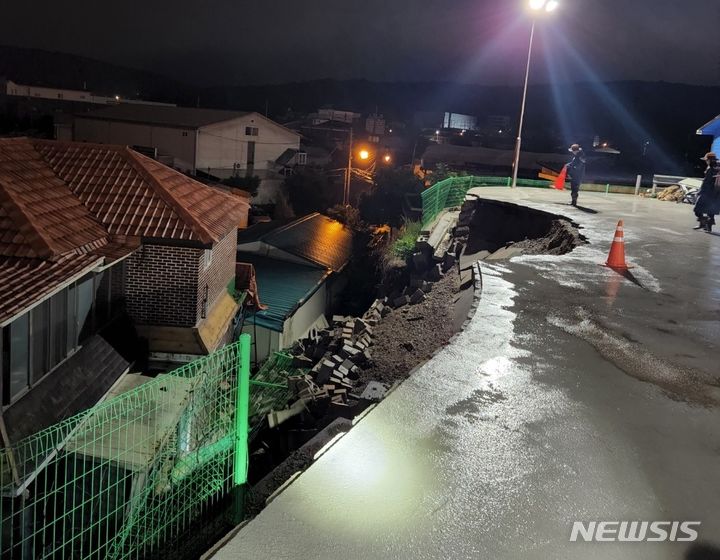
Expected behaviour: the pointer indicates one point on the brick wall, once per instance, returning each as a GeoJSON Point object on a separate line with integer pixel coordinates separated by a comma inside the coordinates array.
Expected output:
{"type": "Point", "coordinates": [218, 275]}
{"type": "Point", "coordinates": [161, 285]}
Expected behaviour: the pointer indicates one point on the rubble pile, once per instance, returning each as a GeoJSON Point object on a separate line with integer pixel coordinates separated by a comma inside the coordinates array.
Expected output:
{"type": "Point", "coordinates": [674, 193]}
{"type": "Point", "coordinates": [335, 356]}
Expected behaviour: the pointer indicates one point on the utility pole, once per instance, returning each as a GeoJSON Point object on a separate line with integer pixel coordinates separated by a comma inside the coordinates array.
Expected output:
{"type": "Point", "coordinates": [348, 172]}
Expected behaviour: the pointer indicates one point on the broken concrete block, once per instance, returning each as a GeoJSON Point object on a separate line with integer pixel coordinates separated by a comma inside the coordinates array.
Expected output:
{"type": "Point", "coordinates": [374, 391]}
{"type": "Point", "coordinates": [435, 273]}
{"type": "Point", "coordinates": [420, 261]}
{"type": "Point", "coordinates": [449, 261]}
{"type": "Point", "coordinates": [345, 367]}
{"type": "Point", "coordinates": [417, 297]}
{"type": "Point", "coordinates": [400, 301]}
{"type": "Point", "coordinates": [302, 362]}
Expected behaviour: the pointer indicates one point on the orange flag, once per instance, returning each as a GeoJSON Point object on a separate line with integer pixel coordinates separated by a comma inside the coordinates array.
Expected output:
{"type": "Point", "coordinates": [560, 181]}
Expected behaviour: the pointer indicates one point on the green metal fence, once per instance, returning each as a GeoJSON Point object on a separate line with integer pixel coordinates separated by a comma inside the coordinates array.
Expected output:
{"type": "Point", "coordinates": [451, 192]}
{"type": "Point", "coordinates": [135, 471]}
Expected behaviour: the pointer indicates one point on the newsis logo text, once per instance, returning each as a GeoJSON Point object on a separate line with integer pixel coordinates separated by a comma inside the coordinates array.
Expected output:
{"type": "Point", "coordinates": [634, 531]}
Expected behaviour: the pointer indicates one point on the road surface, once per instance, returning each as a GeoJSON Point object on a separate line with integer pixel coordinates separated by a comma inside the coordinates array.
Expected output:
{"type": "Point", "coordinates": [574, 394]}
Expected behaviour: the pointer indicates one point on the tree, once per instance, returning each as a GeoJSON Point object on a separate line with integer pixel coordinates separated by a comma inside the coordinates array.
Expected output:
{"type": "Point", "coordinates": [384, 203]}
{"type": "Point", "coordinates": [310, 191]}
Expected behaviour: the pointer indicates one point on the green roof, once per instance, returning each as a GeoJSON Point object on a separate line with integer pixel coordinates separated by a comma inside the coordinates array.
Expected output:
{"type": "Point", "coordinates": [283, 287]}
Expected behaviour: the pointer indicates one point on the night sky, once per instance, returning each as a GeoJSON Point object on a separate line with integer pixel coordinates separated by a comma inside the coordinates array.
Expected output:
{"type": "Point", "coordinates": [212, 42]}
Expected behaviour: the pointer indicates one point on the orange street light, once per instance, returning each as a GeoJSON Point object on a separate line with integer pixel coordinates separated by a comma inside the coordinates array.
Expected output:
{"type": "Point", "coordinates": [387, 158]}
{"type": "Point", "coordinates": [364, 154]}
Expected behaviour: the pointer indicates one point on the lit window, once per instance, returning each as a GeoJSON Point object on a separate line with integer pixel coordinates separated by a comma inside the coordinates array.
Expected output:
{"type": "Point", "coordinates": [251, 131]}
{"type": "Point", "coordinates": [207, 259]}
{"type": "Point", "coordinates": [302, 158]}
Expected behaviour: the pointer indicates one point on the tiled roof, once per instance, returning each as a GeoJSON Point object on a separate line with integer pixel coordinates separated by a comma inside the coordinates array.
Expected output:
{"type": "Point", "coordinates": [66, 207]}
{"type": "Point", "coordinates": [26, 281]}
{"type": "Point", "coordinates": [182, 117]}
{"type": "Point", "coordinates": [133, 195]}
{"type": "Point", "coordinates": [316, 238]}
{"type": "Point", "coordinates": [39, 216]}
{"type": "Point", "coordinates": [283, 287]}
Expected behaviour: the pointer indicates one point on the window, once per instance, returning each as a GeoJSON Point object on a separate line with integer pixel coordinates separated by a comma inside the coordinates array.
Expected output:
{"type": "Point", "coordinates": [184, 132]}
{"type": "Point", "coordinates": [252, 131]}
{"type": "Point", "coordinates": [58, 328]}
{"type": "Point", "coordinates": [18, 346]}
{"type": "Point", "coordinates": [207, 258]}
{"type": "Point", "coordinates": [40, 341]}
{"type": "Point", "coordinates": [36, 342]}
{"type": "Point", "coordinates": [205, 302]}
{"type": "Point", "coordinates": [302, 158]}
{"type": "Point", "coordinates": [84, 306]}
{"type": "Point", "coordinates": [71, 318]}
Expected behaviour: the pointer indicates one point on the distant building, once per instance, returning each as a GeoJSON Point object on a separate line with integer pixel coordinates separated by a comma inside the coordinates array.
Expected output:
{"type": "Point", "coordinates": [375, 125]}
{"type": "Point", "coordinates": [489, 161]}
{"type": "Point", "coordinates": [90, 237]}
{"type": "Point", "coordinates": [712, 129]}
{"type": "Point", "coordinates": [13, 89]}
{"type": "Point", "coordinates": [216, 143]}
{"type": "Point", "coordinates": [333, 115]}
{"type": "Point", "coordinates": [459, 121]}
{"type": "Point", "coordinates": [298, 267]}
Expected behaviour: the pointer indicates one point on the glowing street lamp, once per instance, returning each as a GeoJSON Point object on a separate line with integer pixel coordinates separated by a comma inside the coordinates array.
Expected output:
{"type": "Point", "coordinates": [387, 158]}
{"type": "Point", "coordinates": [536, 8]}
{"type": "Point", "coordinates": [364, 154]}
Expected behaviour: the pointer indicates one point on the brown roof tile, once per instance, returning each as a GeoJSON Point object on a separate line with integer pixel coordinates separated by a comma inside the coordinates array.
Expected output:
{"type": "Point", "coordinates": [66, 207]}
{"type": "Point", "coordinates": [133, 195]}
{"type": "Point", "coordinates": [26, 281]}
{"type": "Point", "coordinates": [40, 215]}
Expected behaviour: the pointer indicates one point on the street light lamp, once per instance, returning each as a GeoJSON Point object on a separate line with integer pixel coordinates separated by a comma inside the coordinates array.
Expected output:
{"type": "Point", "coordinates": [536, 7]}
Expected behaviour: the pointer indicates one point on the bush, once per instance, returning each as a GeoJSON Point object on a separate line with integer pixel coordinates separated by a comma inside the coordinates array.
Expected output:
{"type": "Point", "coordinates": [404, 245]}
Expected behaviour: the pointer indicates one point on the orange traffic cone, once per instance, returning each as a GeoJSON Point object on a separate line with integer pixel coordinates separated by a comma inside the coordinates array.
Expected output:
{"type": "Point", "coordinates": [559, 183]}
{"type": "Point", "coordinates": [616, 258]}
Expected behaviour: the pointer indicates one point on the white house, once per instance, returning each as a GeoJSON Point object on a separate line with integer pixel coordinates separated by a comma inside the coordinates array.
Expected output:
{"type": "Point", "coordinates": [199, 141]}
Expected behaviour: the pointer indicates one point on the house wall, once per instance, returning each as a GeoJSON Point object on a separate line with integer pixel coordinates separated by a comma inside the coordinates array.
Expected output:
{"type": "Point", "coordinates": [265, 341]}
{"type": "Point", "coordinates": [218, 274]}
{"type": "Point", "coordinates": [177, 142]}
{"type": "Point", "coordinates": [223, 146]}
{"type": "Point", "coordinates": [161, 285]}
{"type": "Point", "coordinates": [310, 315]}
{"type": "Point", "coordinates": [165, 285]}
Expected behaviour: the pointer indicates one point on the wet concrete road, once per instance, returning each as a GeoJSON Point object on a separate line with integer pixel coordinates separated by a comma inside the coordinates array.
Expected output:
{"type": "Point", "coordinates": [574, 394]}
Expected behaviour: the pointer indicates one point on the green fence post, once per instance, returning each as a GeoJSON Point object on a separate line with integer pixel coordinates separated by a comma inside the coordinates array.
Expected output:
{"type": "Point", "coordinates": [607, 188]}
{"type": "Point", "coordinates": [509, 181]}
{"type": "Point", "coordinates": [242, 411]}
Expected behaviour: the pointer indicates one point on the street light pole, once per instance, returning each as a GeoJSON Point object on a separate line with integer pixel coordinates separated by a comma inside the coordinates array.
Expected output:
{"type": "Point", "coordinates": [348, 172]}
{"type": "Point", "coordinates": [536, 7]}
{"type": "Point", "coordinates": [518, 141]}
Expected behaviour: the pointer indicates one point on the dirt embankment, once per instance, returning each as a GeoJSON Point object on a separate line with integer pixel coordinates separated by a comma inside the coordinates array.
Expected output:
{"type": "Point", "coordinates": [410, 335]}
